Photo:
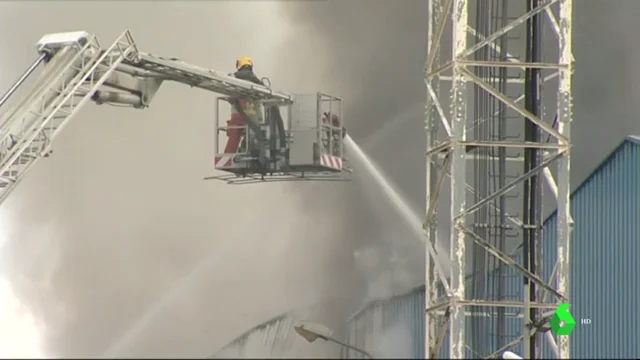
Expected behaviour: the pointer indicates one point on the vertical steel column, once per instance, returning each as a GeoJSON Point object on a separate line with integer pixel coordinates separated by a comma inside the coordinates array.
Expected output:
{"type": "Point", "coordinates": [503, 135]}
{"type": "Point", "coordinates": [564, 127]}
{"type": "Point", "coordinates": [458, 180]}
{"type": "Point", "coordinates": [22, 78]}
{"type": "Point", "coordinates": [531, 199]}
{"type": "Point", "coordinates": [455, 146]}
{"type": "Point", "coordinates": [430, 125]}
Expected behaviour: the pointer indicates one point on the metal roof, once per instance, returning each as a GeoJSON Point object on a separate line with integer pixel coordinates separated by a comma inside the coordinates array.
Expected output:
{"type": "Point", "coordinates": [629, 139]}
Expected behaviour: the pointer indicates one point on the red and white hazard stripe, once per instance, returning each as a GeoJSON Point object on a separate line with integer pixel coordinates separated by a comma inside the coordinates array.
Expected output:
{"type": "Point", "coordinates": [222, 161]}
{"type": "Point", "coordinates": [330, 161]}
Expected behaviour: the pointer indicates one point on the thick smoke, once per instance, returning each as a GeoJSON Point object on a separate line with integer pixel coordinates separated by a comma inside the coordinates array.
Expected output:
{"type": "Point", "coordinates": [396, 342]}
{"type": "Point", "coordinates": [19, 334]}
{"type": "Point", "coordinates": [606, 80]}
{"type": "Point", "coordinates": [369, 53]}
{"type": "Point", "coordinates": [381, 46]}
{"type": "Point", "coordinates": [373, 55]}
{"type": "Point", "coordinates": [120, 215]}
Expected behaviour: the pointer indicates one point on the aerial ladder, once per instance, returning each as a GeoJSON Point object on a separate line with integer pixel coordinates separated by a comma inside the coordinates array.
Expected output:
{"type": "Point", "coordinates": [289, 138]}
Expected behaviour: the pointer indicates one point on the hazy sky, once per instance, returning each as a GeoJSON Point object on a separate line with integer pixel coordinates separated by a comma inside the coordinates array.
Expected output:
{"type": "Point", "coordinates": [119, 215]}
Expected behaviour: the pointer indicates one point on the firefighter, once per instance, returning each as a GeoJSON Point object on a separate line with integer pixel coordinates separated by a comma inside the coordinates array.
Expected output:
{"type": "Point", "coordinates": [332, 136]}
{"type": "Point", "coordinates": [244, 71]}
{"type": "Point", "coordinates": [335, 122]}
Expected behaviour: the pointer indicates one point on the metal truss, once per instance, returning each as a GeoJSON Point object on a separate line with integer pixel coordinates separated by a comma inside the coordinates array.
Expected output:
{"type": "Point", "coordinates": [449, 69]}
{"type": "Point", "coordinates": [27, 132]}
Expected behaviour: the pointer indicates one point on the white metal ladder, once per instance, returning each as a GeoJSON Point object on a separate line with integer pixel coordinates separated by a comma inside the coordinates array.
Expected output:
{"type": "Point", "coordinates": [207, 79]}
{"type": "Point", "coordinates": [23, 141]}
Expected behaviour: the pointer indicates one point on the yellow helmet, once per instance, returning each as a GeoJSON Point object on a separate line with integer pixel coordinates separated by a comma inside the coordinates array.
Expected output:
{"type": "Point", "coordinates": [243, 61]}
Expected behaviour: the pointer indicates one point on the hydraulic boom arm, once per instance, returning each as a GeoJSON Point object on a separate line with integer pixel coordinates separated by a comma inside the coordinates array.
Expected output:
{"type": "Point", "coordinates": [79, 70]}
{"type": "Point", "coordinates": [211, 80]}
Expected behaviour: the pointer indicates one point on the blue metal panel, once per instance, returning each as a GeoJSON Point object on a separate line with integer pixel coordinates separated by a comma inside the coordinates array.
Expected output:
{"type": "Point", "coordinates": [392, 328]}
{"type": "Point", "coordinates": [273, 338]}
{"type": "Point", "coordinates": [395, 327]}
{"type": "Point", "coordinates": [605, 248]}
{"type": "Point", "coordinates": [483, 327]}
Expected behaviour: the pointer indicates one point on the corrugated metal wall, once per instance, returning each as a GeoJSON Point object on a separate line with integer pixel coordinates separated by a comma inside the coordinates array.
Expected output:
{"type": "Point", "coordinates": [391, 328]}
{"type": "Point", "coordinates": [271, 339]}
{"type": "Point", "coordinates": [605, 267]}
{"type": "Point", "coordinates": [277, 339]}
{"type": "Point", "coordinates": [394, 328]}
{"type": "Point", "coordinates": [482, 343]}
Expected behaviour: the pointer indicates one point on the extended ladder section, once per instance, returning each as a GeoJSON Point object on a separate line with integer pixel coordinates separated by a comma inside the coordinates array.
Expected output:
{"type": "Point", "coordinates": [206, 79]}
{"type": "Point", "coordinates": [66, 84]}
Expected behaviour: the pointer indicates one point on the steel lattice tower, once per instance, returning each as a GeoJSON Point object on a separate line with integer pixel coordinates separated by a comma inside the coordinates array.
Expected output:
{"type": "Point", "coordinates": [469, 74]}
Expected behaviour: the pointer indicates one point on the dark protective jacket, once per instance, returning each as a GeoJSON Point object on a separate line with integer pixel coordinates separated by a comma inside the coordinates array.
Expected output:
{"type": "Point", "coordinates": [246, 73]}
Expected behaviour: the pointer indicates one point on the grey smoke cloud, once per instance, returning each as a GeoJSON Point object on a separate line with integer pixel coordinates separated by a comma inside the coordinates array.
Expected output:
{"type": "Point", "coordinates": [119, 214]}
{"type": "Point", "coordinates": [396, 342]}
{"type": "Point", "coordinates": [381, 45]}
{"type": "Point", "coordinates": [372, 53]}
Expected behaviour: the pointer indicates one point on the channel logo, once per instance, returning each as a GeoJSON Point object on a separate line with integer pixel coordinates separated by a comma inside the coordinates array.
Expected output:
{"type": "Point", "coordinates": [562, 322]}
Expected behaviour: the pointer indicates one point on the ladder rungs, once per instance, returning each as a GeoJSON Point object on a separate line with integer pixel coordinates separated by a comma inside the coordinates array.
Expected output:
{"type": "Point", "coordinates": [11, 174]}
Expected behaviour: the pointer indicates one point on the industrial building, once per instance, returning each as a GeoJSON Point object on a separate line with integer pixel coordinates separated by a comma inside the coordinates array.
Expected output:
{"type": "Point", "coordinates": [604, 270]}
{"type": "Point", "coordinates": [604, 292]}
